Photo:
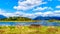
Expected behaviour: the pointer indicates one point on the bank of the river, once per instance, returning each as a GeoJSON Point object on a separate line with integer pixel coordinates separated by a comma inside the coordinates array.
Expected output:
{"type": "Point", "coordinates": [20, 21]}
{"type": "Point", "coordinates": [58, 21]}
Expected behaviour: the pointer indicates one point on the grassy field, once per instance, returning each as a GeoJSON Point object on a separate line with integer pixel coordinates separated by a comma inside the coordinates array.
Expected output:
{"type": "Point", "coordinates": [29, 30]}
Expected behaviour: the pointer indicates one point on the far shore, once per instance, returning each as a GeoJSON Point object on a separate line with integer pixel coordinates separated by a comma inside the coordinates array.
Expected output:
{"type": "Point", "coordinates": [19, 21]}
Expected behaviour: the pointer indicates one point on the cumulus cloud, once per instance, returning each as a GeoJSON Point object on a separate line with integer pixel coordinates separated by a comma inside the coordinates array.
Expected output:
{"type": "Point", "coordinates": [58, 6]}
{"type": "Point", "coordinates": [17, 13]}
{"type": "Point", "coordinates": [28, 4]}
{"type": "Point", "coordinates": [1, 11]}
{"type": "Point", "coordinates": [49, 13]}
{"type": "Point", "coordinates": [44, 14]}
{"type": "Point", "coordinates": [31, 15]}
{"type": "Point", "coordinates": [42, 8]}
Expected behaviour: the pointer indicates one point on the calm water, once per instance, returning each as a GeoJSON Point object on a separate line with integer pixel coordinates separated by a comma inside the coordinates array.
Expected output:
{"type": "Point", "coordinates": [29, 23]}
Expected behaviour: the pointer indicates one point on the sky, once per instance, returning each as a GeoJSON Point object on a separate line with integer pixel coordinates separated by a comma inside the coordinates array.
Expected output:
{"type": "Point", "coordinates": [30, 8]}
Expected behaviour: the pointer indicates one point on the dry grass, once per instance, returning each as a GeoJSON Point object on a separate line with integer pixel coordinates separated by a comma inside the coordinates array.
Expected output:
{"type": "Point", "coordinates": [29, 30]}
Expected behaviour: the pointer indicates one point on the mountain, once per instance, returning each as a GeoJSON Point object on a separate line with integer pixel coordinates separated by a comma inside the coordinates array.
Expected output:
{"type": "Point", "coordinates": [2, 16]}
{"type": "Point", "coordinates": [47, 18]}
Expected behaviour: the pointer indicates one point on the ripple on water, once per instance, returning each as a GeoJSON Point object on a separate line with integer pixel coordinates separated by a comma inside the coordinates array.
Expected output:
{"type": "Point", "coordinates": [29, 23]}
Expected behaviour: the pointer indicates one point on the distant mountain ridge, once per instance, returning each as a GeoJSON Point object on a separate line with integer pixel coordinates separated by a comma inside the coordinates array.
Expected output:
{"type": "Point", "coordinates": [2, 17]}
{"type": "Point", "coordinates": [47, 18]}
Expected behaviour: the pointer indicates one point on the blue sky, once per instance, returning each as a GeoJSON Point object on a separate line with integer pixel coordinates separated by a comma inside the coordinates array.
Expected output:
{"type": "Point", "coordinates": [30, 8]}
{"type": "Point", "coordinates": [8, 5]}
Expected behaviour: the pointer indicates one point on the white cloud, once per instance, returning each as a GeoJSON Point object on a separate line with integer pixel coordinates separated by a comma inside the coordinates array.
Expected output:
{"type": "Point", "coordinates": [28, 4]}
{"type": "Point", "coordinates": [31, 15]}
{"type": "Point", "coordinates": [17, 13]}
{"type": "Point", "coordinates": [22, 14]}
{"type": "Point", "coordinates": [42, 8]}
{"type": "Point", "coordinates": [58, 6]}
{"type": "Point", "coordinates": [57, 11]}
{"type": "Point", "coordinates": [43, 14]}
{"type": "Point", "coordinates": [48, 13]}
{"type": "Point", "coordinates": [1, 11]}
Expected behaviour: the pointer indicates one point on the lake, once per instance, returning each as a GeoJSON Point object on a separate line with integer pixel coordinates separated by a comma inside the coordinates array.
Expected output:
{"type": "Point", "coordinates": [44, 23]}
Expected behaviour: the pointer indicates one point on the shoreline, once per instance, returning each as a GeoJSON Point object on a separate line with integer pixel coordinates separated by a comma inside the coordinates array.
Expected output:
{"type": "Point", "coordinates": [19, 21]}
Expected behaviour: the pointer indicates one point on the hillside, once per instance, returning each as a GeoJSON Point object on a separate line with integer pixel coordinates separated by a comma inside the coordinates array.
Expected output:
{"type": "Point", "coordinates": [16, 19]}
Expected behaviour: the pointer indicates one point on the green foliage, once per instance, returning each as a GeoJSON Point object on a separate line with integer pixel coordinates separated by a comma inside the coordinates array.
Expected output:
{"type": "Point", "coordinates": [16, 19]}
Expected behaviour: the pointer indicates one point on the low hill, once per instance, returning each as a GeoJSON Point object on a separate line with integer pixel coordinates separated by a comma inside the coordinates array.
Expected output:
{"type": "Point", "coordinates": [17, 19]}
